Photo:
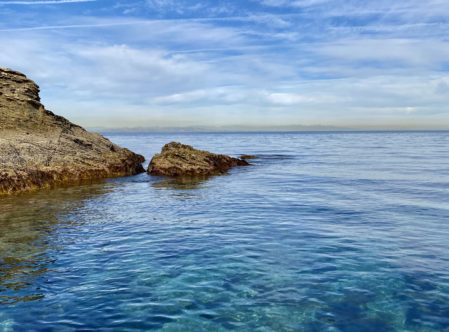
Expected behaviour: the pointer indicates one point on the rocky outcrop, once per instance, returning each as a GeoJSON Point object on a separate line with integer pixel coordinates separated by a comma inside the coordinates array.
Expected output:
{"type": "Point", "coordinates": [40, 149]}
{"type": "Point", "coordinates": [178, 159]}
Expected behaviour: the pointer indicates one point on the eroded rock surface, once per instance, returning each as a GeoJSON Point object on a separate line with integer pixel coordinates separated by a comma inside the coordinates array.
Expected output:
{"type": "Point", "coordinates": [40, 149]}
{"type": "Point", "coordinates": [178, 159]}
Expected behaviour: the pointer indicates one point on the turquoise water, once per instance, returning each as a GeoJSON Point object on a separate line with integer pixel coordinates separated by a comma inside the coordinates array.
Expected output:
{"type": "Point", "coordinates": [326, 232]}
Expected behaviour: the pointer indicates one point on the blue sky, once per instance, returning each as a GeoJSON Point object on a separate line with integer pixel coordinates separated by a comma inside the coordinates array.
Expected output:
{"type": "Point", "coordinates": [145, 63]}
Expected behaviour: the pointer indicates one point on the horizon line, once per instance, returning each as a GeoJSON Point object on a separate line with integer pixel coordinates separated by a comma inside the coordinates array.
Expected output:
{"type": "Point", "coordinates": [219, 129]}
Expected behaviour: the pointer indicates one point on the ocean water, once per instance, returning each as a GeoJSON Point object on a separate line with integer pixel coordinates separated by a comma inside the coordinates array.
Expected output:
{"type": "Point", "coordinates": [325, 232]}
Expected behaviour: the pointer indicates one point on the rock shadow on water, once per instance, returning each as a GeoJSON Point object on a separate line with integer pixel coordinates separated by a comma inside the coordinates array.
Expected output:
{"type": "Point", "coordinates": [181, 182]}
{"type": "Point", "coordinates": [30, 224]}
{"type": "Point", "coordinates": [274, 157]}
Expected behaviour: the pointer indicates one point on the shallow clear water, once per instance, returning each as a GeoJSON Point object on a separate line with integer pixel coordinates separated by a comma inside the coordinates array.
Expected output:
{"type": "Point", "coordinates": [327, 231]}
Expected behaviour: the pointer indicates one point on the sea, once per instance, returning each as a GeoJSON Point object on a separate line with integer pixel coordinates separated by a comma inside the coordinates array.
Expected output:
{"type": "Point", "coordinates": [325, 231]}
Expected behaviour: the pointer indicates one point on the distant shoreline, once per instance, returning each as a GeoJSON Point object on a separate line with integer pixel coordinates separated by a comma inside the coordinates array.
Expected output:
{"type": "Point", "coordinates": [261, 131]}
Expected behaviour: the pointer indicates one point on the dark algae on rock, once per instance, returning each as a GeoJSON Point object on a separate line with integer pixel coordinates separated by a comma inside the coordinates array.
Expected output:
{"type": "Point", "coordinates": [40, 149]}
{"type": "Point", "coordinates": [178, 159]}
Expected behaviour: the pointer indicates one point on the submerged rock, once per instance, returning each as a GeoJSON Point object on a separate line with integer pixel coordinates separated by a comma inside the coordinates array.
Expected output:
{"type": "Point", "coordinates": [40, 149]}
{"type": "Point", "coordinates": [248, 156]}
{"type": "Point", "coordinates": [178, 159]}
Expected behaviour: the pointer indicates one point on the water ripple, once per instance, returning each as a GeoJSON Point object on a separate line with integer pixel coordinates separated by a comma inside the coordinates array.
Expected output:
{"type": "Point", "coordinates": [325, 232]}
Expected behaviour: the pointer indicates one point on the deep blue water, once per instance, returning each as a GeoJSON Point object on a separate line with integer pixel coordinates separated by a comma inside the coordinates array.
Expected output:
{"type": "Point", "coordinates": [326, 232]}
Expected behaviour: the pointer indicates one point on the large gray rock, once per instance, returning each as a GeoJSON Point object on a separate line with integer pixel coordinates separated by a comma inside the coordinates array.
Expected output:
{"type": "Point", "coordinates": [40, 149]}
{"type": "Point", "coordinates": [178, 159]}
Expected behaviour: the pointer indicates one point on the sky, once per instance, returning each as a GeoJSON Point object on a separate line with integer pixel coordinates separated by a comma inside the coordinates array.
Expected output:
{"type": "Point", "coordinates": [247, 63]}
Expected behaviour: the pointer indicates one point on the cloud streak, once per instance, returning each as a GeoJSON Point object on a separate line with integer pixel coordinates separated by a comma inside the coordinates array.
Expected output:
{"type": "Point", "coordinates": [303, 62]}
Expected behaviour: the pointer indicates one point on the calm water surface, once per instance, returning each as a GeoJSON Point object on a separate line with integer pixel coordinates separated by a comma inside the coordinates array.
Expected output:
{"type": "Point", "coordinates": [326, 232]}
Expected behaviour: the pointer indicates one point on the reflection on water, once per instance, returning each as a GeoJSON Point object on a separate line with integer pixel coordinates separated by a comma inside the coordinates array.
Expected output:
{"type": "Point", "coordinates": [27, 224]}
{"type": "Point", "coordinates": [325, 232]}
{"type": "Point", "coordinates": [181, 182]}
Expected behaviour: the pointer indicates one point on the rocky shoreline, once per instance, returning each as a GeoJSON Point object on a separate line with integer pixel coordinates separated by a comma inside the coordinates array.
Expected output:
{"type": "Point", "coordinates": [39, 149]}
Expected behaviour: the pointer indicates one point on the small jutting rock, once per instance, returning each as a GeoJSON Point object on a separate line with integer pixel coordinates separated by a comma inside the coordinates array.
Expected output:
{"type": "Point", "coordinates": [178, 159]}
{"type": "Point", "coordinates": [39, 149]}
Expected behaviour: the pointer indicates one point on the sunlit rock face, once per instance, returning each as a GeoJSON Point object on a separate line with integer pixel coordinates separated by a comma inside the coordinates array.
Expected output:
{"type": "Point", "coordinates": [40, 149]}
{"type": "Point", "coordinates": [178, 159]}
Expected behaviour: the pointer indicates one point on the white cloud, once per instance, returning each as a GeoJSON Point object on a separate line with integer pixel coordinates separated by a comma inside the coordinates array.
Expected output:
{"type": "Point", "coordinates": [429, 53]}
{"type": "Point", "coordinates": [287, 99]}
{"type": "Point", "coordinates": [258, 68]}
